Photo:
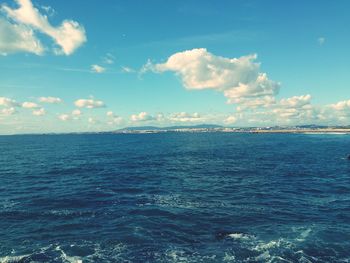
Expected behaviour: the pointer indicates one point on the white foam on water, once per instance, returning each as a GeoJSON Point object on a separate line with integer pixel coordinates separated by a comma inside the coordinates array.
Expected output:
{"type": "Point", "coordinates": [7, 204]}
{"type": "Point", "coordinates": [176, 256]}
{"type": "Point", "coordinates": [116, 253]}
{"type": "Point", "coordinates": [241, 236]}
{"type": "Point", "coordinates": [263, 257]}
{"type": "Point", "coordinates": [273, 250]}
{"type": "Point", "coordinates": [268, 245]}
{"type": "Point", "coordinates": [180, 256]}
{"type": "Point", "coordinates": [63, 212]}
{"type": "Point", "coordinates": [12, 259]}
{"type": "Point", "coordinates": [66, 258]}
{"type": "Point", "coordinates": [304, 235]}
{"type": "Point", "coordinates": [229, 257]}
{"type": "Point", "coordinates": [174, 201]}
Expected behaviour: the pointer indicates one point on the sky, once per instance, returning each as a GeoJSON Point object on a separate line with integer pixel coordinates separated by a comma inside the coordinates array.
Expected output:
{"type": "Point", "coordinates": [76, 66]}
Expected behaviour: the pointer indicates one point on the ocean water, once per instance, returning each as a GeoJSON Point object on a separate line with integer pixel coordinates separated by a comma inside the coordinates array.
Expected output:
{"type": "Point", "coordinates": [176, 197]}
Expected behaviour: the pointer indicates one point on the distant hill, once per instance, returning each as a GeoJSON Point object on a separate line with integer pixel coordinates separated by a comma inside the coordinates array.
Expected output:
{"type": "Point", "coordinates": [312, 126]}
{"type": "Point", "coordinates": [169, 128]}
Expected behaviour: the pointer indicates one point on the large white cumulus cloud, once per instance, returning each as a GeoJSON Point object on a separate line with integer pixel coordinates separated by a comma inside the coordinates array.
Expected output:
{"type": "Point", "coordinates": [18, 38]}
{"type": "Point", "coordinates": [238, 78]}
{"type": "Point", "coordinates": [27, 19]}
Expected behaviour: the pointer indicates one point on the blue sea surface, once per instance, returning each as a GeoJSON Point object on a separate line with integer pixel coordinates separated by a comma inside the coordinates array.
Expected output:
{"type": "Point", "coordinates": [175, 197]}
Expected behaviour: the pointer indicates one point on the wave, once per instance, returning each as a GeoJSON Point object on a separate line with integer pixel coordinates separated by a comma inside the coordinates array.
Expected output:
{"type": "Point", "coordinates": [235, 247]}
{"type": "Point", "coordinates": [73, 253]}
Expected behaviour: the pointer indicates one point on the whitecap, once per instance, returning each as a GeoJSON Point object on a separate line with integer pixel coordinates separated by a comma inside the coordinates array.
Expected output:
{"type": "Point", "coordinates": [12, 259]}
{"type": "Point", "coordinates": [229, 257]}
{"type": "Point", "coordinates": [241, 236]}
{"type": "Point", "coordinates": [304, 235]}
{"type": "Point", "coordinates": [66, 258]}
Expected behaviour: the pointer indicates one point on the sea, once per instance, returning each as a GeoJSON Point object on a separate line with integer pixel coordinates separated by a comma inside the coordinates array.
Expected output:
{"type": "Point", "coordinates": [175, 197]}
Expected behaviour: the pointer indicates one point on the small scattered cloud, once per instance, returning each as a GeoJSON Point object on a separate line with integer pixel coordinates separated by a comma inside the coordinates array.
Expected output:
{"type": "Point", "coordinates": [39, 112]}
{"type": "Point", "coordinates": [142, 116]}
{"type": "Point", "coordinates": [127, 70]}
{"type": "Point", "coordinates": [321, 40]}
{"type": "Point", "coordinates": [185, 117]}
{"type": "Point", "coordinates": [26, 20]}
{"type": "Point", "coordinates": [108, 59]}
{"type": "Point", "coordinates": [51, 100]}
{"type": "Point", "coordinates": [97, 69]}
{"type": "Point", "coordinates": [296, 101]}
{"type": "Point", "coordinates": [341, 105]}
{"type": "Point", "coordinates": [64, 117]}
{"type": "Point", "coordinates": [7, 102]}
{"type": "Point", "coordinates": [30, 105]}
{"type": "Point", "coordinates": [230, 120]}
{"type": "Point", "coordinates": [76, 113]}
{"type": "Point", "coordinates": [110, 113]}
{"type": "Point", "coordinates": [89, 103]}
{"type": "Point", "coordinates": [93, 121]}
{"type": "Point", "coordinates": [113, 118]}
{"type": "Point", "coordinates": [8, 111]}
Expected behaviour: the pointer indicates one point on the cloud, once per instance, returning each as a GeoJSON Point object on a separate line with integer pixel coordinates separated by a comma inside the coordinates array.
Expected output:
{"type": "Point", "coordinates": [8, 111]}
{"type": "Point", "coordinates": [76, 112]}
{"type": "Point", "coordinates": [110, 114]}
{"type": "Point", "coordinates": [93, 121]}
{"type": "Point", "coordinates": [185, 117]}
{"type": "Point", "coordinates": [142, 116]}
{"type": "Point", "coordinates": [296, 101]}
{"type": "Point", "coordinates": [7, 102]}
{"type": "Point", "coordinates": [287, 111]}
{"type": "Point", "coordinates": [230, 119]}
{"type": "Point", "coordinates": [89, 103]}
{"type": "Point", "coordinates": [68, 36]}
{"type": "Point", "coordinates": [252, 103]}
{"type": "Point", "coordinates": [51, 100]}
{"type": "Point", "coordinates": [341, 105]}
{"type": "Point", "coordinates": [39, 112]}
{"type": "Point", "coordinates": [18, 38]}
{"type": "Point", "coordinates": [109, 59]}
{"type": "Point", "coordinates": [64, 117]}
{"type": "Point", "coordinates": [48, 10]}
{"type": "Point", "coordinates": [238, 79]}
{"type": "Point", "coordinates": [30, 105]}
{"type": "Point", "coordinates": [113, 118]}
{"type": "Point", "coordinates": [74, 115]}
{"type": "Point", "coordinates": [127, 70]}
{"type": "Point", "coordinates": [321, 40]}
{"type": "Point", "coordinates": [296, 107]}
{"type": "Point", "coordinates": [97, 69]}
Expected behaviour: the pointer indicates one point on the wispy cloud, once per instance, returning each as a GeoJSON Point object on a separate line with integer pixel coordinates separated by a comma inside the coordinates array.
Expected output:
{"type": "Point", "coordinates": [97, 68]}
{"type": "Point", "coordinates": [51, 100]}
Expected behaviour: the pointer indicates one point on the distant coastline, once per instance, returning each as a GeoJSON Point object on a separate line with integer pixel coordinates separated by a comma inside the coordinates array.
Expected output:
{"type": "Point", "coordinates": [211, 128]}
{"type": "Point", "coordinates": [196, 129]}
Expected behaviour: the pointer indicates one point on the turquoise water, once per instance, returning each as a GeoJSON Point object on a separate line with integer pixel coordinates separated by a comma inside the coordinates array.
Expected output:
{"type": "Point", "coordinates": [175, 197]}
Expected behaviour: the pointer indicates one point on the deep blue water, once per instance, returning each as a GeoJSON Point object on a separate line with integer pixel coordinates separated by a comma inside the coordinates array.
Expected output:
{"type": "Point", "coordinates": [177, 197]}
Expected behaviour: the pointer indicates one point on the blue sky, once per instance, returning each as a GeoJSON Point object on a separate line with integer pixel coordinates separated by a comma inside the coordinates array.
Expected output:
{"type": "Point", "coordinates": [92, 66]}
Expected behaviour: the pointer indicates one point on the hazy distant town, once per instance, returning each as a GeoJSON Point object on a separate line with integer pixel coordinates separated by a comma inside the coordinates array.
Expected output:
{"type": "Point", "coordinates": [217, 128]}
